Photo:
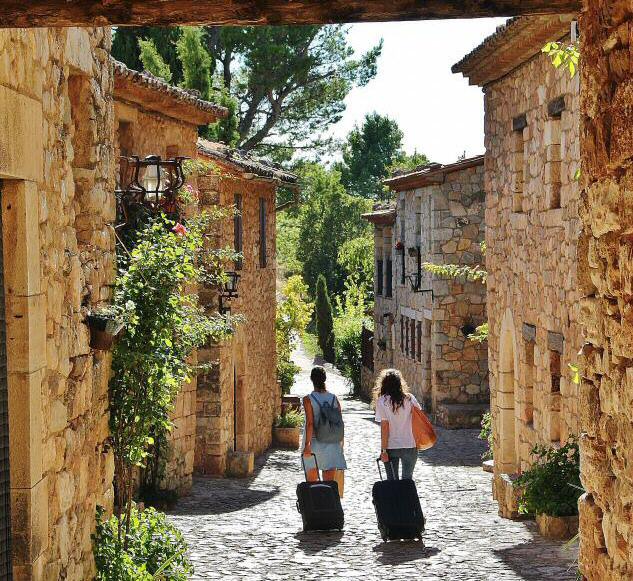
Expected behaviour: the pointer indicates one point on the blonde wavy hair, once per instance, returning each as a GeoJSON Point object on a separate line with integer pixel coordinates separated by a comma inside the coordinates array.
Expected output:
{"type": "Point", "coordinates": [390, 382]}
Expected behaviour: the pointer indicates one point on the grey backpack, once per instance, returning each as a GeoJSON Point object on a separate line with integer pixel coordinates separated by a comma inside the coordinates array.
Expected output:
{"type": "Point", "coordinates": [328, 424]}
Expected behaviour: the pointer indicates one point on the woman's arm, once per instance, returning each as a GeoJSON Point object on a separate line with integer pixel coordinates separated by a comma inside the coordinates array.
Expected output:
{"type": "Point", "coordinates": [307, 406]}
{"type": "Point", "coordinates": [384, 440]}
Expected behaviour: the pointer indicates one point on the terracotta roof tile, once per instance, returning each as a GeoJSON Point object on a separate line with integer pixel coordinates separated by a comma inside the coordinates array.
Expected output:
{"type": "Point", "coordinates": [157, 95]}
{"type": "Point", "coordinates": [512, 44]}
{"type": "Point", "coordinates": [432, 173]}
{"type": "Point", "coordinates": [244, 161]}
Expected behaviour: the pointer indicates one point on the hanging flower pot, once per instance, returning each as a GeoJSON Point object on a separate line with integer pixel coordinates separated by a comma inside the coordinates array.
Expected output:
{"type": "Point", "coordinates": [399, 245]}
{"type": "Point", "coordinates": [105, 327]}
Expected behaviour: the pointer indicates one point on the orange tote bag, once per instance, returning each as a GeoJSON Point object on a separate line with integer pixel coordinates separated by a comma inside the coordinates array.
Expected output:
{"type": "Point", "coordinates": [423, 431]}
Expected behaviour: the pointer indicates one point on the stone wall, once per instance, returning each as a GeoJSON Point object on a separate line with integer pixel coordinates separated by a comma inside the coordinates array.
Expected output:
{"type": "Point", "coordinates": [532, 155]}
{"type": "Point", "coordinates": [605, 283]}
{"type": "Point", "coordinates": [57, 208]}
{"type": "Point", "coordinates": [420, 333]}
{"type": "Point", "coordinates": [238, 401]}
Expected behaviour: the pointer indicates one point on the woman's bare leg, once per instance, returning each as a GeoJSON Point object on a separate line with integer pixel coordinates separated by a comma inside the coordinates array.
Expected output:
{"type": "Point", "coordinates": [329, 474]}
{"type": "Point", "coordinates": [313, 475]}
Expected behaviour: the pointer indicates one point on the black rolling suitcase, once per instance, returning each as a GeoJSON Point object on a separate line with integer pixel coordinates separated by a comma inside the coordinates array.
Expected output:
{"type": "Point", "coordinates": [398, 509]}
{"type": "Point", "coordinates": [319, 504]}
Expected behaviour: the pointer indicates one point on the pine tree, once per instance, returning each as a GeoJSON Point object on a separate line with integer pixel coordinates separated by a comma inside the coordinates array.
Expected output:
{"type": "Point", "coordinates": [152, 61]}
{"type": "Point", "coordinates": [324, 320]}
{"type": "Point", "coordinates": [197, 63]}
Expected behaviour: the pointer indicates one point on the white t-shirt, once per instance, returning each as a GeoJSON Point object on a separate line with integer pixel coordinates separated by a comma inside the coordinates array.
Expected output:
{"type": "Point", "coordinates": [400, 432]}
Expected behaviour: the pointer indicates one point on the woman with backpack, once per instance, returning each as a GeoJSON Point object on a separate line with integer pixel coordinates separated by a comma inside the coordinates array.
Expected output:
{"type": "Point", "coordinates": [394, 412]}
{"type": "Point", "coordinates": [323, 430]}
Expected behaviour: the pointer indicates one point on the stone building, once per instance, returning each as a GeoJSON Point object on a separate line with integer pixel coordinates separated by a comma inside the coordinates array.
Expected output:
{"type": "Point", "coordinates": [155, 118]}
{"type": "Point", "coordinates": [57, 170]}
{"type": "Point", "coordinates": [421, 321]}
{"type": "Point", "coordinates": [238, 402]}
{"type": "Point", "coordinates": [532, 228]}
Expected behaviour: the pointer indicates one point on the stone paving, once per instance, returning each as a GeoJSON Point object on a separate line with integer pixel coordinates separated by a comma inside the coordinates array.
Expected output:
{"type": "Point", "coordinates": [250, 529]}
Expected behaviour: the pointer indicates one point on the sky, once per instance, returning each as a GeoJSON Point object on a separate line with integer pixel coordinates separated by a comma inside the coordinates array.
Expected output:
{"type": "Point", "coordinates": [438, 112]}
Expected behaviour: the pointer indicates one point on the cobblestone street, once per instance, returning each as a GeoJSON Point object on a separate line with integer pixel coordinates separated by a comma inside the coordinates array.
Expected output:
{"type": "Point", "coordinates": [250, 529]}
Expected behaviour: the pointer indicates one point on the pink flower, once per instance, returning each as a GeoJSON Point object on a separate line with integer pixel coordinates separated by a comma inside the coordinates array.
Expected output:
{"type": "Point", "coordinates": [399, 245]}
{"type": "Point", "coordinates": [179, 229]}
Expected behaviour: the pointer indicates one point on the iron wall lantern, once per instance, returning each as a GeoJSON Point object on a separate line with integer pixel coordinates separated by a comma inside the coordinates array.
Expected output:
{"type": "Point", "coordinates": [150, 184]}
{"type": "Point", "coordinates": [228, 291]}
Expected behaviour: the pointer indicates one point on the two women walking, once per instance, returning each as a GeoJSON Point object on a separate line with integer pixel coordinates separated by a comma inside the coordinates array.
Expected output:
{"type": "Point", "coordinates": [394, 412]}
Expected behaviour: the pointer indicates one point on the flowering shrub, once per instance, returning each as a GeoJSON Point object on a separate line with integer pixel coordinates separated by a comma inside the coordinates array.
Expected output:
{"type": "Point", "coordinates": [165, 324]}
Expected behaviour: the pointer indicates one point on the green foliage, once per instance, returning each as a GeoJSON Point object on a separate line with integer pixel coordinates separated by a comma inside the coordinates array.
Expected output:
{"type": "Point", "coordinates": [370, 152]}
{"type": "Point", "coordinates": [165, 324]}
{"type": "Point", "coordinates": [351, 317]}
{"type": "Point", "coordinates": [152, 60]}
{"type": "Point", "coordinates": [125, 47]}
{"type": "Point", "coordinates": [224, 130]}
{"type": "Point", "coordinates": [563, 55]}
{"type": "Point", "coordinates": [288, 242]}
{"type": "Point", "coordinates": [197, 64]}
{"type": "Point", "coordinates": [324, 320]}
{"type": "Point", "coordinates": [327, 219]}
{"type": "Point", "coordinates": [486, 434]}
{"type": "Point", "coordinates": [356, 257]}
{"type": "Point", "coordinates": [292, 317]}
{"type": "Point", "coordinates": [289, 419]}
{"type": "Point", "coordinates": [481, 333]}
{"type": "Point", "coordinates": [552, 484]}
{"type": "Point", "coordinates": [290, 81]}
{"type": "Point", "coordinates": [472, 273]}
{"type": "Point", "coordinates": [155, 549]}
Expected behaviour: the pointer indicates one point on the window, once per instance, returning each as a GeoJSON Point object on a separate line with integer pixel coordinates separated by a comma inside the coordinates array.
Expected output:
{"type": "Point", "coordinates": [552, 142]}
{"type": "Point", "coordinates": [379, 278]}
{"type": "Point", "coordinates": [419, 344]}
{"type": "Point", "coordinates": [554, 370]}
{"type": "Point", "coordinates": [389, 279]}
{"type": "Point", "coordinates": [262, 233]}
{"type": "Point", "coordinates": [238, 230]}
{"type": "Point", "coordinates": [528, 414]}
{"type": "Point", "coordinates": [402, 334]}
{"type": "Point", "coordinates": [519, 146]}
{"type": "Point", "coordinates": [406, 330]}
{"type": "Point", "coordinates": [413, 338]}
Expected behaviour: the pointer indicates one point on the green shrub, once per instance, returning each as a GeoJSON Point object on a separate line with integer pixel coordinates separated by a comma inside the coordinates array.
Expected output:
{"type": "Point", "coordinates": [289, 419]}
{"type": "Point", "coordinates": [156, 550]}
{"type": "Point", "coordinates": [348, 328]}
{"type": "Point", "coordinates": [293, 315]}
{"type": "Point", "coordinates": [486, 434]}
{"type": "Point", "coordinates": [286, 373]}
{"type": "Point", "coordinates": [552, 484]}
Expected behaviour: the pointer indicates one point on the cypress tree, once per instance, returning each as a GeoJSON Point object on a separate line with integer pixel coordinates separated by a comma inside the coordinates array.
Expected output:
{"type": "Point", "coordinates": [324, 320]}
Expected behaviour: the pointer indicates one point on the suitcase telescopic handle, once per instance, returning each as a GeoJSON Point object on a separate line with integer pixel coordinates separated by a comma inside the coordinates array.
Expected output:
{"type": "Point", "coordinates": [379, 470]}
{"type": "Point", "coordinates": [303, 463]}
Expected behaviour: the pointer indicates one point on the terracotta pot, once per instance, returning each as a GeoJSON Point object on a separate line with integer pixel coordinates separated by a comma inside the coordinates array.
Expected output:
{"type": "Point", "coordinates": [103, 332]}
{"type": "Point", "coordinates": [287, 437]}
{"type": "Point", "coordinates": [557, 527]}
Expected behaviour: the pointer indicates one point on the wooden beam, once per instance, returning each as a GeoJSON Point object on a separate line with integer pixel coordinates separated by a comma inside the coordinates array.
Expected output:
{"type": "Point", "coordinates": [32, 13]}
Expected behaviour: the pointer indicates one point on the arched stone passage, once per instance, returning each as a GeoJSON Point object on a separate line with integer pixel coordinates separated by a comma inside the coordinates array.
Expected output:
{"type": "Point", "coordinates": [506, 399]}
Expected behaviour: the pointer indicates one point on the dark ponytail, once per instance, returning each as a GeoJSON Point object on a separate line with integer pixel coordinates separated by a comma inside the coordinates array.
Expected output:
{"type": "Point", "coordinates": [318, 377]}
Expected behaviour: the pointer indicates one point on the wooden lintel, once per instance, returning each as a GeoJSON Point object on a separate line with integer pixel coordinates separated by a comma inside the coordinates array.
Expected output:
{"type": "Point", "coordinates": [34, 13]}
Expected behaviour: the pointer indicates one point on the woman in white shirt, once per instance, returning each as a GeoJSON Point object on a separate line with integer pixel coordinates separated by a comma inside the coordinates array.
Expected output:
{"type": "Point", "coordinates": [394, 411]}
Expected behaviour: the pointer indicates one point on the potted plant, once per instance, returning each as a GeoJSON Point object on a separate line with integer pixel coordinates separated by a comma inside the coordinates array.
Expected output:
{"type": "Point", "coordinates": [287, 429]}
{"type": "Point", "coordinates": [399, 245]}
{"type": "Point", "coordinates": [551, 488]}
{"type": "Point", "coordinates": [105, 326]}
